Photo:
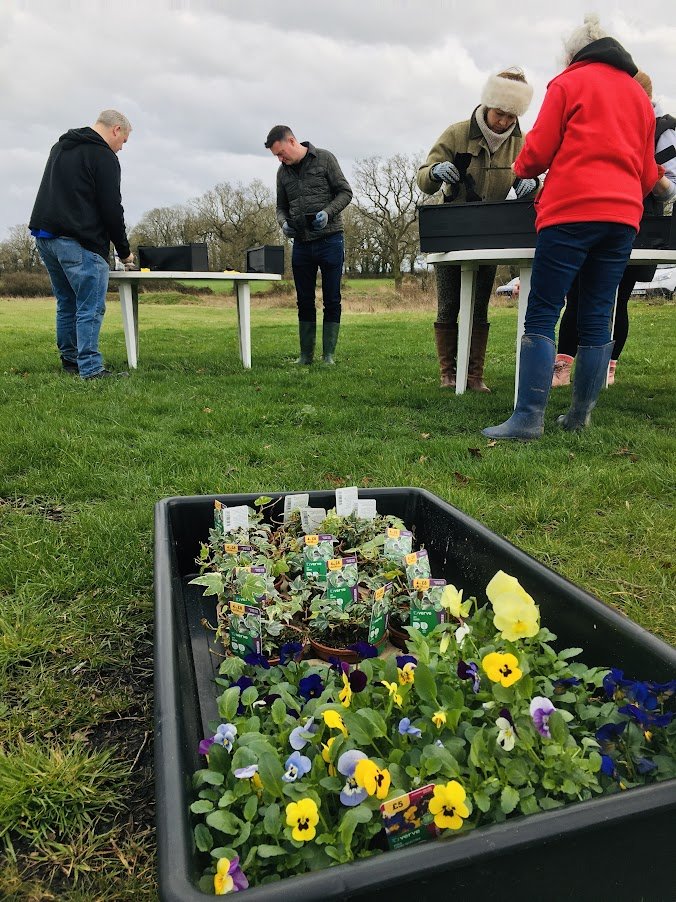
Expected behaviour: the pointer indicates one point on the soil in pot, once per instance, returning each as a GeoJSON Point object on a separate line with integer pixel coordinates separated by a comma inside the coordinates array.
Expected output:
{"type": "Point", "coordinates": [337, 644]}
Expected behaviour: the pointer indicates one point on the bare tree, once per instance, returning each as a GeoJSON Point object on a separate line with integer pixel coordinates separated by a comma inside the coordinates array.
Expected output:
{"type": "Point", "coordinates": [387, 197]}
{"type": "Point", "coordinates": [19, 251]}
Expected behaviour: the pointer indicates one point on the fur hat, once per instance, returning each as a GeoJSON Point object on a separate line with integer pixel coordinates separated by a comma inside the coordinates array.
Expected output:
{"type": "Point", "coordinates": [508, 91]}
{"type": "Point", "coordinates": [645, 83]}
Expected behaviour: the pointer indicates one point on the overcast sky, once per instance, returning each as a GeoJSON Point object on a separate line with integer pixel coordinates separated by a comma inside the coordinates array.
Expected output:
{"type": "Point", "coordinates": [203, 81]}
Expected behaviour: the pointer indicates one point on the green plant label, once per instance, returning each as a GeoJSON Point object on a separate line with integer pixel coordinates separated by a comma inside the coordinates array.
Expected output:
{"type": "Point", "coordinates": [250, 586]}
{"type": "Point", "coordinates": [245, 629]}
{"type": "Point", "coordinates": [426, 609]}
{"type": "Point", "coordinates": [341, 580]}
{"type": "Point", "coordinates": [407, 819]}
{"type": "Point", "coordinates": [398, 543]}
{"type": "Point", "coordinates": [417, 566]}
{"type": "Point", "coordinates": [317, 551]}
{"type": "Point", "coordinates": [379, 614]}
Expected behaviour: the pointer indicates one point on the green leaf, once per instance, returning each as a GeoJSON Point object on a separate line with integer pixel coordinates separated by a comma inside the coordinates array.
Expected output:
{"type": "Point", "coordinates": [266, 851]}
{"type": "Point", "coordinates": [483, 803]}
{"type": "Point", "coordinates": [213, 583]}
{"type": "Point", "coordinates": [548, 804]}
{"type": "Point", "coordinates": [249, 696]}
{"type": "Point", "coordinates": [202, 807]}
{"type": "Point", "coordinates": [228, 703]}
{"type": "Point", "coordinates": [278, 712]}
{"type": "Point", "coordinates": [219, 759]}
{"type": "Point", "coordinates": [250, 808]}
{"type": "Point", "coordinates": [209, 776]}
{"type": "Point", "coordinates": [425, 685]}
{"type": "Point", "coordinates": [262, 501]}
{"type": "Point", "coordinates": [203, 838]}
{"type": "Point", "coordinates": [272, 822]}
{"type": "Point", "coordinates": [557, 727]}
{"type": "Point", "coordinates": [509, 799]}
{"type": "Point", "coordinates": [244, 834]}
{"type": "Point", "coordinates": [270, 771]}
{"type": "Point", "coordinates": [570, 653]}
{"type": "Point", "coordinates": [225, 822]}
{"type": "Point", "coordinates": [359, 815]}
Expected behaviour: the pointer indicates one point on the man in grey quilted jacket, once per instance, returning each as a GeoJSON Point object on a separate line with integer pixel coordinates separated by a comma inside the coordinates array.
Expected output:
{"type": "Point", "coordinates": [311, 192]}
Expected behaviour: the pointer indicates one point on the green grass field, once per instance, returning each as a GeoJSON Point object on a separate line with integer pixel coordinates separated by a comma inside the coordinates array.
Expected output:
{"type": "Point", "coordinates": [82, 464]}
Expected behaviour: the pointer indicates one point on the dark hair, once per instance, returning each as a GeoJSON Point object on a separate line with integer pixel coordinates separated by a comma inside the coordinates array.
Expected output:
{"type": "Point", "coordinates": [278, 133]}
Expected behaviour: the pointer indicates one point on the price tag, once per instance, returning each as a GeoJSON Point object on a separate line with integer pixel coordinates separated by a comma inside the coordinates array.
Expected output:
{"type": "Point", "coordinates": [346, 500]}
{"type": "Point", "coordinates": [294, 502]}
{"type": "Point", "coordinates": [420, 585]}
{"type": "Point", "coordinates": [312, 540]}
{"type": "Point", "coordinates": [407, 819]}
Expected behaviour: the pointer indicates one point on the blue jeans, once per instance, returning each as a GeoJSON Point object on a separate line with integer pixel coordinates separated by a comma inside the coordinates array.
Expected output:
{"type": "Point", "coordinates": [324, 254]}
{"type": "Point", "coordinates": [79, 281]}
{"type": "Point", "coordinates": [599, 252]}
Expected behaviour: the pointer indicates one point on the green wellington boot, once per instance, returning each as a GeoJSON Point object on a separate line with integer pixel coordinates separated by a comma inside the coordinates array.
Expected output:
{"type": "Point", "coordinates": [307, 333]}
{"type": "Point", "coordinates": [329, 341]}
{"type": "Point", "coordinates": [591, 368]}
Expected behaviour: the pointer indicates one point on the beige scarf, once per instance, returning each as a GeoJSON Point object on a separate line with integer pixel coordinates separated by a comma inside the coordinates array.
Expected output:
{"type": "Point", "coordinates": [493, 140]}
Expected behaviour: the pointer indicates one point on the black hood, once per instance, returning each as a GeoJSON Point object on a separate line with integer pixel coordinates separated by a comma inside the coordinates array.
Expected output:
{"type": "Point", "coordinates": [84, 135]}
{"type": "Point", "coordinates": [609, 51]}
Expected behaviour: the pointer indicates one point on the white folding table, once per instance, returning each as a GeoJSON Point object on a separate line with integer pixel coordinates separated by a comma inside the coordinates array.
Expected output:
{"type": "Point", "coordinates": [470, 260]}
{"type": "Point", "coordinates": [128, 282]}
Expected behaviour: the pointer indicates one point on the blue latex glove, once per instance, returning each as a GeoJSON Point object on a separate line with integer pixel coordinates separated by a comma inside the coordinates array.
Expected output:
{"type": "Point", "coordinates": [522, 187]}
{"type": "Point", "coordinates": [320, 221]}
{"type": "Point", "coordinates": [288, 231]}
{"type": "Point", "coordinates": [445, 172]}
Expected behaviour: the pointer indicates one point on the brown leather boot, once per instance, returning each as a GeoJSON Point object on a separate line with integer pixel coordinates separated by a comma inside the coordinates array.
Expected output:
{"type": "Point", "coordinates": [446, 337]}
{"type": "Point", "coordinates": [477, 355]}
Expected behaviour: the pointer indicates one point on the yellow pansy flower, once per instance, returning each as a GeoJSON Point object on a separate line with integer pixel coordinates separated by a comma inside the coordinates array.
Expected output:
{"type": "Point", "coordinates": [303, 817]}
{"type": "Point", "coordinates": [370, 777]}
{"type": "Point", "coordinates": [439, 719]}
{"type": "Point", "coordinates": [326, 749]}
{"type": "Point", "coordinates": [448, 805]}
{"type": "Point", "coordinates": [502, 668]}
{"type": "Point", "coordinates": [393, 689]}
{"type": "Point", "coordinates": [406, 673]}
{"type": "Point", "coordinates": [223, 882]}
{"type": "Point", "coordinates": [334, 721]}
{"type": "Point", "coordinates": [345, 694]}
{"type": "Point", "coordinates": [516, 614]}
{"type": "Point", "coordinates": [451, 599]}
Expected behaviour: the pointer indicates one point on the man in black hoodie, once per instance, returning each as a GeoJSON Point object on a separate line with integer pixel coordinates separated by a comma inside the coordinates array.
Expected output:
{"type": "Point", "coordinates": [77, 213]}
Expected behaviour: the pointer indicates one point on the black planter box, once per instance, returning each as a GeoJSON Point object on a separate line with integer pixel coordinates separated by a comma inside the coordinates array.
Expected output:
{"type": "Point", "coordinates": [615, 847]}
{"type": "Point", "coordinates": [180, 258]}
{"type": "Point", "coordinates": [511, 223]}
{"type": "Point", "coordinates": [266, 258]}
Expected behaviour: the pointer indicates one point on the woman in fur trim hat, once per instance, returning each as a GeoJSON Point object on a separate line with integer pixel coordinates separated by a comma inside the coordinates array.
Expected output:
{"type": "Point", "coordinates": [472, 161]}
{"type": "Point", "coordinates": [594, 136]}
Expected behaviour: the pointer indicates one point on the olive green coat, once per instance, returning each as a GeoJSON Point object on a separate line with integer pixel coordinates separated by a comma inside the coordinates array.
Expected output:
{"type": "Point", "coordinates": [492, 175]}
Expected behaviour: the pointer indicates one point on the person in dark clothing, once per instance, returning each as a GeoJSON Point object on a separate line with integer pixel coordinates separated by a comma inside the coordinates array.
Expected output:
{"type": "Point", "coordinates": [311, 193]}
{"type": "Point", "coordinates": [77, 213]}
{"type": "Point", "coordinates": [665, 153]}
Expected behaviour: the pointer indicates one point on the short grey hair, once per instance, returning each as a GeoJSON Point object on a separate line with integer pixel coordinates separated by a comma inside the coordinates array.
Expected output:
{"type": "Point", "coordinates": [578, 39]}
{"type": "Point", "coordinates": [110, 118]}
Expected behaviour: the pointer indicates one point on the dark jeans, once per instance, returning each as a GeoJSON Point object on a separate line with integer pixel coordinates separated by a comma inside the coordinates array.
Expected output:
{"type": "Point", "coordinates": [448, 293]}
{"type": "Point", "coordinates": [327, 256]}
{"type": "Point", "coordinates": [596, 252]}
{"type": "Point", "coordinates": [568, 327]}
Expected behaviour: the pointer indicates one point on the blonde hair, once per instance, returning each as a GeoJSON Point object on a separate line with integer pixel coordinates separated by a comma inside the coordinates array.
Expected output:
{"type": "Point", "coordinates": [578, 39]}
{"type": "Point", "coordinates": [111, 118]}
{"type": "Point", "coordinates": [644, 80]}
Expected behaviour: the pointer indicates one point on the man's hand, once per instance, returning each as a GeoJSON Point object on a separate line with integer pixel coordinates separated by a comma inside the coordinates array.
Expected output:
{"type": "Point", "coordinates": [445, 172]}
{"type": "Point", "coordinates": [522, 187]}
{"type": "Point", "coordinates": [288, 231]}
{"type": "Point", "coordinates": [129, 261]}
{"type": "Point", "coordinates": [320, 221]}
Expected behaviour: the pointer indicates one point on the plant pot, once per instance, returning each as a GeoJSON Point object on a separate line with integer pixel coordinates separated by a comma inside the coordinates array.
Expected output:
{"type": "Point", "coordinates": [348, 655]}
{"type": "Point", "coordinates": [591, 847]}
{"type": "Point", "coordinates": [398, 637]}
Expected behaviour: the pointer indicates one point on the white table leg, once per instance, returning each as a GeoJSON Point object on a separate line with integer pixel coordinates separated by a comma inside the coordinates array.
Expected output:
{"type": "Point", "coordinates": [244, 322]}
{"type": "Point", "coordinates": [612, 332]}
{"type": "Point", "coordinates": [524, 291]}
{"type": "Point", "coordinates": [465, 318]}
{"type": "Point", "coordinates": [129, 307]}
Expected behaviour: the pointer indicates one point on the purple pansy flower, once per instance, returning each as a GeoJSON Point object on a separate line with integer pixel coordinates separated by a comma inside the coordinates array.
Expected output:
{"type": "Point", "coordinates": [469, 671]}
{"type": "Point", "coordinates": [234, 871]}
{"type": "Point", "coordinates": [647, 719]}
{"type": "Point", "coordinates": [246, 773]}
{"type": "Point", "coordinates": [351, 794]}
{"type": "Point", "coordinates": [406, 729]}
{"type": "Point", "coordinates": [645, 765]}
{"type": "Point", "coordinates": [311, 686]}
{"type": "Point", "coordinates": [403, 660]}
{"type": "Point", "coordinates": [289, 651]}
{"type": "Point", "coordinates": [607, 766]}
{"type": "Point", "coordinates": [356, 678]}
{"type": "Point", "coordinates": [257, 660]}
{"type": "Point", "coordinates": [540, 710]}
{"type": "Point", "coordinates": [608, 735]}
{"type": "Point", "coordinates": [205, 745]}
{"type": "Point", "coordinates": [297, 765]}
{"type": "Point", "coordinates": [298, 738]}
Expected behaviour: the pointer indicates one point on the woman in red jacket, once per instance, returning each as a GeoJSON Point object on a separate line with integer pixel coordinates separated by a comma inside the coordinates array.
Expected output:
{"type": "Point", "coordinates": [595, 136]}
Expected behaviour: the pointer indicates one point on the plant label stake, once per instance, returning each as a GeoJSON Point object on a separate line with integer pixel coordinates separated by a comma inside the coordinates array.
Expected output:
{"type": "Point", "coordinates": [407, 819]}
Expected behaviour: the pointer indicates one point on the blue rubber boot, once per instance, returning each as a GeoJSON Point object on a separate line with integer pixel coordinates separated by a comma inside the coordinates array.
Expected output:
{"type": "Point", "coordinates": [591, 368]}
{"type": "Point", "coordinates": [536, 363]}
